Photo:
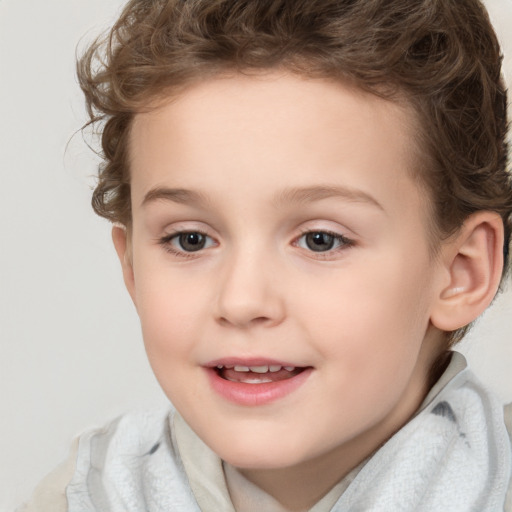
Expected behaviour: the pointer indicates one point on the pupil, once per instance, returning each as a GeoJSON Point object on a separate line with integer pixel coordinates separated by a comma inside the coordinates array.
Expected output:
{"type": "Point", "coordinates": [192, 241]}
{"type": "Point", "coordinates": [319, 242]}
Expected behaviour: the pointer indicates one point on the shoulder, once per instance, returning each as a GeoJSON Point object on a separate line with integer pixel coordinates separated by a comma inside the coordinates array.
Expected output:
{"type": "Point", "coordinates": [508, 423]}
{"type": "Point", "coordinates": [508, 418]}
{"type": "Point", "coordinates": [135, 451]}
{"type": "Point", "coordinates": [50, 494]}
{"type": "Point", "coordinates": [454, 390]}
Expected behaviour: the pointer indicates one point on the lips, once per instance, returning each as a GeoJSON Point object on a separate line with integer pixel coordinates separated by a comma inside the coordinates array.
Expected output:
{"type": "Point", "coordinates": [257, 374]}
{"type": "Point", "coordinates": [255, 382]}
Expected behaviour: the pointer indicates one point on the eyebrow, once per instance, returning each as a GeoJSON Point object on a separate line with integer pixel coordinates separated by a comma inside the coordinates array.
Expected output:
{"type": "Point", "coordinates": [176, 195]}
{"type": "Point", "coordinates": [295, 195]}
{"type": "Point", "coordinates": [304, 195]}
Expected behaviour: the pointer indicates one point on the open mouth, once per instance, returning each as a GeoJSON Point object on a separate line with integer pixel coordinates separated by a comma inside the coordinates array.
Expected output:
{"type": "Point", "coordinates": [257, 374]}
{"type": "Point", "coordinates": [257, 382]}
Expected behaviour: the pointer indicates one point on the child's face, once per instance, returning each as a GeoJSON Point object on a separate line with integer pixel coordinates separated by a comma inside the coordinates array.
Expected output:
{"type": "Point", "coordinates": [305, 246]}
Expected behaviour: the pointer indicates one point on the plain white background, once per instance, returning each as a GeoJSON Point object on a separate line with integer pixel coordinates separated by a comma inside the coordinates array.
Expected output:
{"type": "Point", "coordinates": [71, 355]}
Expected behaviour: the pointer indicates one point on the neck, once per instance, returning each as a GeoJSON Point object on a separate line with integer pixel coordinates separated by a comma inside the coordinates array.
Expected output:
{"type": "Point", "coordinates": [300, 487]}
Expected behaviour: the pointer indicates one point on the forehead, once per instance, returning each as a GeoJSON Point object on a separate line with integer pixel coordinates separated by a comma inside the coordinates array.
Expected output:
{"type": "Point", "coordinates": [257, 135]}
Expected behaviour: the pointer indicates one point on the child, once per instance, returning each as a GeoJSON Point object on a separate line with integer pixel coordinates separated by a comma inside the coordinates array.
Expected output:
{"type": "Point", "coordinates": [310, 205]}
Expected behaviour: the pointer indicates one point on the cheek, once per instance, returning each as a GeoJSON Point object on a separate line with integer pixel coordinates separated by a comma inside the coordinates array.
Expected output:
{"type": "Point", "coordinates": [169, 311]}
{"type": "Point", "coordinates": [373, 316]}
{"type": "Point", "coordinates": [370, 340]}
{"type": "Point", "coordinates": [169, 328]}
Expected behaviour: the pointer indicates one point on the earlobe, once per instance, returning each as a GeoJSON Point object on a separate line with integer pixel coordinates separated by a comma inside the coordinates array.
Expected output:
{"type": "Point", "coordinates": [121, 241]}
{"type": "Point", "coordinates": [474, 261]}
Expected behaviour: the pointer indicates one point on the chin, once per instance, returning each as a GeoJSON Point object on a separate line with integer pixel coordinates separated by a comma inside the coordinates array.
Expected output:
{"type": "Point", "coordinates": [258, 457]}
{"type": "Point", "coordinates": [246, 461]}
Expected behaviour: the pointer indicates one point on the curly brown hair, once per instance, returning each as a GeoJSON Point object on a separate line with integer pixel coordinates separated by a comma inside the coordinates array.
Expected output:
{"type": "Point", "coordinates": [442, 56]}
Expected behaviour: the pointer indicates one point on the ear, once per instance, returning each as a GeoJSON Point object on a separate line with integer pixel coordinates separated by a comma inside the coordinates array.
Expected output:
{"type": "Point", "coordinates": [122, 245]}
{"type": "Point", "coordinates": [473, 260]}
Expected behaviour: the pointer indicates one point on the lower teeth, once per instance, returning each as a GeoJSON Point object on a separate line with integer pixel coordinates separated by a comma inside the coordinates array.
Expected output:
{"type": "Point", "coordinates": [251, 381]}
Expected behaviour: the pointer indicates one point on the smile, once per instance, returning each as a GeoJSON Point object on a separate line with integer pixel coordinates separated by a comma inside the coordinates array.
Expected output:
{"type": "Point", "coordinates": [257, 374]}
{"type": "Point", "coordinates": [256, 384]}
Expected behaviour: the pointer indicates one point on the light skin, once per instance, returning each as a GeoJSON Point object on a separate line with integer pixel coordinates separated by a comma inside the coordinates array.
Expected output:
{"type": "Point", "coordinates": [313, 249]}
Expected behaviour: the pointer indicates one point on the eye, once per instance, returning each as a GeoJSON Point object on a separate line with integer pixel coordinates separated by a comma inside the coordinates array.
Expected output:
{"type": "Point", "coordinates": [186, 242]}
{"type": "Point", "coordinates": [322, 241]}
{"type": "Point", "coordinates": [191, 242]}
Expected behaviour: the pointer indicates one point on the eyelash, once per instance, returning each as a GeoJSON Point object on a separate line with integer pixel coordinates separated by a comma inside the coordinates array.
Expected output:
{"type": "Point", "coordinates": [166, 240]}
{"type": "Point", "coordinates": [343, 242]}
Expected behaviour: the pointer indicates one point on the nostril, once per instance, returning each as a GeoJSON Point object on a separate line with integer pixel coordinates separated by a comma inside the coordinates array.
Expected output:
{"type": "Point", "coordinates": [260, 319]}
{"type": "Point", "coordinates": [239, 322]}
{"type": "Point", "coordinates": [245, 322]}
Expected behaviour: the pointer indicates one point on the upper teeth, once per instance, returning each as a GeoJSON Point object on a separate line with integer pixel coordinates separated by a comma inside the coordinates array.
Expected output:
{"type": "Point", "coordinates": [256, 369]}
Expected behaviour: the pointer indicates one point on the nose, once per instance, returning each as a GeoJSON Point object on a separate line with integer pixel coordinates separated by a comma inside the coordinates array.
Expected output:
{"type": "Point", "coordinates": [249, 293]}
